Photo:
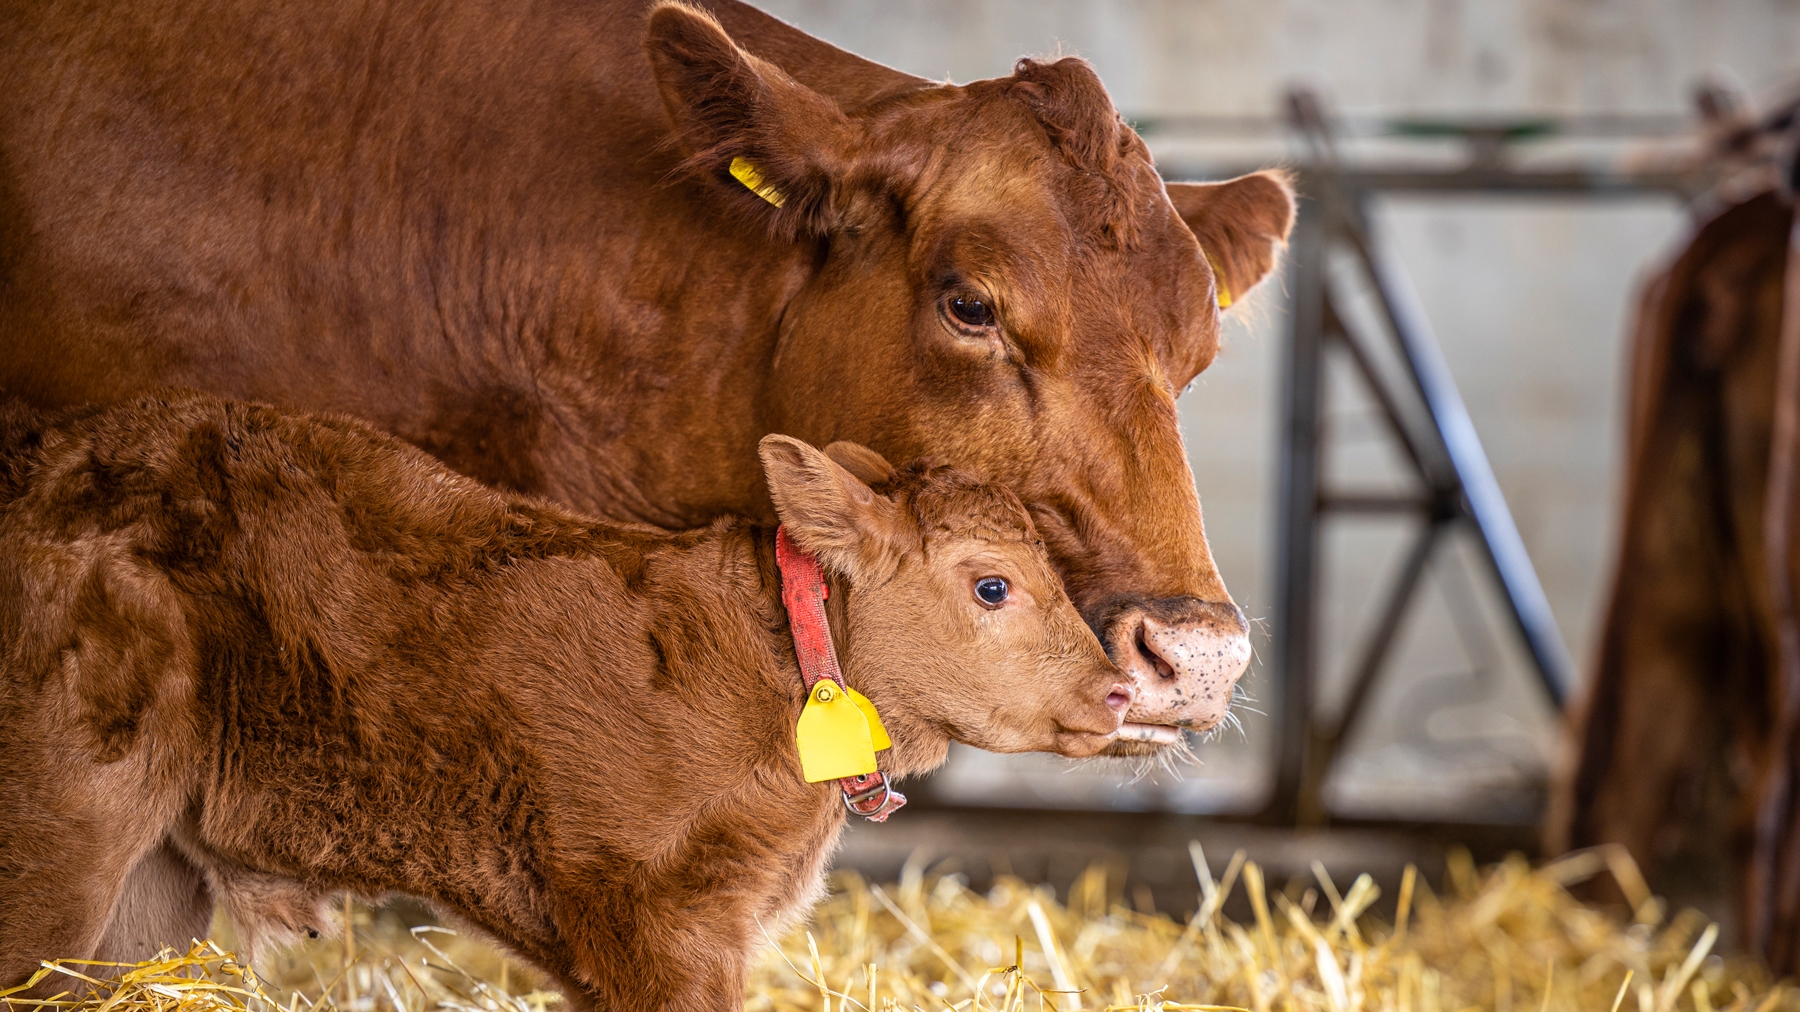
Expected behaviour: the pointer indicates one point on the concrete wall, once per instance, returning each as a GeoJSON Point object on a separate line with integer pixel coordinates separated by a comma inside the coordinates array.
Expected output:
{"type": "Point", "coordinates": [1529, 297]}
{"type": "Point", "coordinates": [1234, 56]}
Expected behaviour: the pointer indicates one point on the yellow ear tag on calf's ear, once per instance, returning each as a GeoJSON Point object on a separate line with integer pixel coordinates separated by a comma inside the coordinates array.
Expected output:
{"type": "Point", "coordinates": [836, 735]}
{"type": "Point", "coordinates": [877, 733]}
{"type": "Point", "coordinates": [752, 178]}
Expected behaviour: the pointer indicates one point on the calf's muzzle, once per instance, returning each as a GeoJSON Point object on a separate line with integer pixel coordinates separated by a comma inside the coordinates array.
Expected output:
{"type": "Point", "coordinates": [1183, 655]}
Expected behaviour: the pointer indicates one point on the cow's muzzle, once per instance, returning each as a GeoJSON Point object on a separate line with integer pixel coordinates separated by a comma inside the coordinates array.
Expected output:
{"type": "Point", "coordinates": [1184, 656]}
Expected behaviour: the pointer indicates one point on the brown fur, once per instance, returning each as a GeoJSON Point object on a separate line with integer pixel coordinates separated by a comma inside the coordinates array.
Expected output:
{"type": "Point", "coordinates": [506, 232]}
{"type": "Point", "coordinates": [1673, 733]}
{"type": "Point", "coordinates": [268, 658]}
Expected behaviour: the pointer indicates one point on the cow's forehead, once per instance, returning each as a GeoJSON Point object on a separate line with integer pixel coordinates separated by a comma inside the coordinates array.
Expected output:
{"type": "Point", "coordinates": [979, 139]}
{"type": "Point", "coordinates": [988, 191]}
{"type": "Point", "coordinates": [1151, 295]}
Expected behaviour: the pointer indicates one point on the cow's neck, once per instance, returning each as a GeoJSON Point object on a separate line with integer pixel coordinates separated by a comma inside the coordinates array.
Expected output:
{"type": "Point", "coordinates": [633, 401]}
{"type": "Point", "coordinates": [641, 391]}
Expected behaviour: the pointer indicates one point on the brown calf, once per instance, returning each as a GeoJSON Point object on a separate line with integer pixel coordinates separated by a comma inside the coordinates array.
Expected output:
{"type": "Point", "coordinates": [265, 659]}
{"type": "Point", "coordinates": [508, 232]}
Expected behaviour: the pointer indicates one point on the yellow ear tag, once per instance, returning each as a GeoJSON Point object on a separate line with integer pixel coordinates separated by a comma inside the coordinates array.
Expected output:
{"type": "Point", "coordinates": [1220, 288]}
{"type": "Point", "coordinates": [752, 178]}
{"type": "Point", "coordinates": [833, 735]}
{"type": "Point", "coordinates": [877, 734]}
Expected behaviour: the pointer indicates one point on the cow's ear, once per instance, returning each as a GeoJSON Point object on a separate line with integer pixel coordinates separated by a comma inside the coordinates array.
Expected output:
{"type": "Point", "coordinates": [868, 466]}
{"type": "Point", "coordinates": [830, 512]}
{"type": "Point", "coordinates": [771, 145]}
{"type": "Point", "coordinates": [1241, 224]}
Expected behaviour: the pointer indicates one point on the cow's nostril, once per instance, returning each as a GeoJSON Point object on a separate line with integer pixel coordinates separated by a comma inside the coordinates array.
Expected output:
{"type": "Point", "coordinates": [1157, 664]}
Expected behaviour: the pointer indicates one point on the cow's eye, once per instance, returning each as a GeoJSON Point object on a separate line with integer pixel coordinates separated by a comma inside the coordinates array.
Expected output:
{"type": "Point", "coordinates": [991, 591]}
{"type": "Point", "coordinates": [971, 310]}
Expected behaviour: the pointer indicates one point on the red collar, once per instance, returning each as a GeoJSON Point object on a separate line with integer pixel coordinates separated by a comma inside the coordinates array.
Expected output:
{"type": "Point", "coordinates": [803, 591]}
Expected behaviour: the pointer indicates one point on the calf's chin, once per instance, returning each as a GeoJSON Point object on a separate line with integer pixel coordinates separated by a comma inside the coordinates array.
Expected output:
{"type": "Point", "coordinates": [1080, 744]}
{"type": "Point", "coordinates": [1075, 728]}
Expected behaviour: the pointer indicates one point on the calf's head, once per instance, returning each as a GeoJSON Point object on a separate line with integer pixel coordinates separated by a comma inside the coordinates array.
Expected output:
{"type": "Point", "coordinates": [957, 626]}
{"type": "Point", "coordinates": [996, 277]}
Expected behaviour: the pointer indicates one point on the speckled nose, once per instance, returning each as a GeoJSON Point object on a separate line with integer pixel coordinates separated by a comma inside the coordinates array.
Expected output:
{"type": "Point", "coordinates": [1185, 666]}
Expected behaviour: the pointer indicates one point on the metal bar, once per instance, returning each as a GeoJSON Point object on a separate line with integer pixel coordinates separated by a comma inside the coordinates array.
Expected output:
{"type": "Point", "coordinates": [1382, 639]}
{"type": "Point", "coordinates": [1505, 549]}
{"type": "Point", "coordinates": [1325, 742]}
{"type": "Point", "coordinates": [1377, 385]}
{"type": "Point", "coordinates": [1442, 445]}
{"type": "Point", "coordinates": [1629, 126]}
{"type": "Point", "coordinates": [1324, 745]}
{"type": "Point", "coordinates": [1292, 652]}
{"type": "Point", "coordinates": [1355, 502]}
{"type": "Point", "coordinates": [1571, 181]}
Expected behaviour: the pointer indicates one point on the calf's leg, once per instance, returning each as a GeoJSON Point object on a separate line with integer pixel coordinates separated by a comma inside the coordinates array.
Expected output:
{"type": "Point", "coordinates": [645, 950]}
{"type": "Point", "coordinates": [164, 901]}
{"type": "Point", "coordinates": [103, 759]}
{"type": "Point", "coordinates": [60, 885]}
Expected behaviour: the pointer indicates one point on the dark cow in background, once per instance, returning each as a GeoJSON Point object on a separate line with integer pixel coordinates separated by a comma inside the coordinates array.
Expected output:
{"type": "Point", "coordinates": [510, 233]}
{"type": "Point", "coordinates": [1685, 749]}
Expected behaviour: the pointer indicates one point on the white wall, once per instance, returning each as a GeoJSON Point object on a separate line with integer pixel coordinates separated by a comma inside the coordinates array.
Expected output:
{"type": "Point", "coordinates": [1529, 297]}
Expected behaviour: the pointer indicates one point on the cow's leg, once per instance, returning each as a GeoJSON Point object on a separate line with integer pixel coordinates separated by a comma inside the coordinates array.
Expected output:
{"type": "Point", "coordinates": [165, 901]}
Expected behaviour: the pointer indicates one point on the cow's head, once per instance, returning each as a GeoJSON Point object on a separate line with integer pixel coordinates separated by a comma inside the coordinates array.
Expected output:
{"type": "Point", "coordinates": [958, 626]}
{"type": "Point", "coordinates": [1000, 280]}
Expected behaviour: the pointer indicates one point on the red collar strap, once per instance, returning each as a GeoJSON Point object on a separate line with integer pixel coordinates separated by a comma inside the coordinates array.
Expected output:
{"type": "Point", "coordinates": [803, 591]}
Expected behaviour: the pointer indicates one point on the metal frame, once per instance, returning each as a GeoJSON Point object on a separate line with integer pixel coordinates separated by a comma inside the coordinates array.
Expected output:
{"type": "Point", "coordinates": [1427, 417]}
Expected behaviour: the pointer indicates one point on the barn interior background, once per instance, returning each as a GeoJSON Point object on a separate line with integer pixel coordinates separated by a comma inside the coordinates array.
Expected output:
{"type": "Point", "coordinates": [1530, 297]}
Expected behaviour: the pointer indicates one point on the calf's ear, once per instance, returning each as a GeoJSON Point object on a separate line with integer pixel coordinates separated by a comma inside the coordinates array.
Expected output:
{"type": "Point", "coordinates": [770, 145]}
{"type": "Point", "coordinates": [1241, 224]}
{"type": "Point", "coordinates": [828, 511]}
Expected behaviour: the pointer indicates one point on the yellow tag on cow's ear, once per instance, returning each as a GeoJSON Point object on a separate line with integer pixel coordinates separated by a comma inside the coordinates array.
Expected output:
{"type": "Point", "coordinates": [833, 735]}
{"type": "Point", "coordinates": [877, 734]}
{"type": "Point", "coordinates": [1220, 288]}
{"type": "Point", "coordinates": [752, 178]}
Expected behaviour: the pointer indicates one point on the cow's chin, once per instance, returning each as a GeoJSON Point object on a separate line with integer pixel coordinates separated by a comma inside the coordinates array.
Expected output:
{"type": "Point", "coordinates": [1134, 739]}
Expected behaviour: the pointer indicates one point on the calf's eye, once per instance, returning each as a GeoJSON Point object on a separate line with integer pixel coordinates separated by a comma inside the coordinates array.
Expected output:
{"type": "Point", "coordinates": [971, 311]}
{"type": "Point", "coordinates": [991, 590]}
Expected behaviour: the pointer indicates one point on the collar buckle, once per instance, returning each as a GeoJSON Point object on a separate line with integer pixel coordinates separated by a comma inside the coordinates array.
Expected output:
{"type": "Point", "coordinates": [871, 796]}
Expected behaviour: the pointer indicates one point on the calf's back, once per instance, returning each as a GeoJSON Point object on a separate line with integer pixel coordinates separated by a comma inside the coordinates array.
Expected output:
{"type": "Point", "coordinates": [284, 657]}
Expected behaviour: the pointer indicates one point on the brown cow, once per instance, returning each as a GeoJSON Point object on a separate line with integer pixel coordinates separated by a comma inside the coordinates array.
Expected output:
{"type": "Point", "coordinates": [292, 656]}
{"type": "Point", "coordinates": [1676, 732]}
{"type": "Point", "coordinates": [509, 233]}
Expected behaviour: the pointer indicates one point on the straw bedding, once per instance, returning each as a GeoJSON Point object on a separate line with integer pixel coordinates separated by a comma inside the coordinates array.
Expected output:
{"type": "Point", "coordinates": [1508, 938]}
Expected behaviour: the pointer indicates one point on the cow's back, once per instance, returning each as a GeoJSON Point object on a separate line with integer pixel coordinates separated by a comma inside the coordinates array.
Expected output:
{"type": "Point", "coordinates": [430, 216]}
{"type": "Point", "coordinates": [230, 194]}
